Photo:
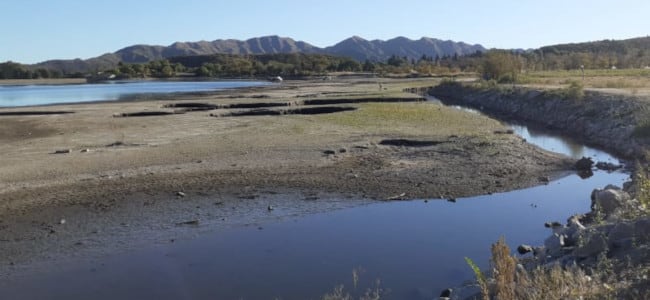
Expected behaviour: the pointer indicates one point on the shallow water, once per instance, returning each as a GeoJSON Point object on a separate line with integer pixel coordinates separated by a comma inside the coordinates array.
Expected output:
{"type": "Point", "coordinates": [416, 248]}
{"type": "Point", "coordinates": [29, 95]}
{"type": "Point", "coordinates": [413, 247]}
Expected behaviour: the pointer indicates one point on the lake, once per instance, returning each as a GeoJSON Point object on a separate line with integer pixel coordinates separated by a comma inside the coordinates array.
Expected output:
{"type": "Point", "coordinates": [30, 95]}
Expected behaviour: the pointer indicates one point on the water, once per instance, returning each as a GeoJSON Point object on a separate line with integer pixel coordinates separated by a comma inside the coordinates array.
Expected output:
{"type": "Point", "coordinates": [29, 95]}
{"type": "Point", "coordinates": [417, 249]}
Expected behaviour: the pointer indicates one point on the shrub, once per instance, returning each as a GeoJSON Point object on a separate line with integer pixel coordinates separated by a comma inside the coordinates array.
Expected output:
{"type": "Point", "coordinates": [575, 90]}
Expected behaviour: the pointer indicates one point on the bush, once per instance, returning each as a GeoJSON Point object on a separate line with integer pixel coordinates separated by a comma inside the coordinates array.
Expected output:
{"type": "Point", "coordinates": [575, 90]}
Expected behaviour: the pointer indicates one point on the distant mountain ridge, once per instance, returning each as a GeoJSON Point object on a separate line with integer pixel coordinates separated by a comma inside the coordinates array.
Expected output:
{"type": "Point", "coordinates": [355, 47]}
{"type": "Point", "coordinates": [378, 50]}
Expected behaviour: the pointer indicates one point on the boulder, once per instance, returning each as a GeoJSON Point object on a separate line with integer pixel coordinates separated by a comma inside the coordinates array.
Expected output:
{"type": "Point", "coordinates": [595, 244]}
{"type": "Point", "coordinates": [573, 232]}
{"type": "Point", "coordinates": [523, 249]}
{"type": "Point", "coordinates": [554, 244]}
{"type": "Point", "coordinates": [584, 164]}
{"type": "Point", "coordinates": [621, 231]}
{"type": "Point", "coordinates": [642, 230]}
{"type": "Point", "coordinates": [608, 200]}
{"type": "Point", "coordinates": [607, 166]}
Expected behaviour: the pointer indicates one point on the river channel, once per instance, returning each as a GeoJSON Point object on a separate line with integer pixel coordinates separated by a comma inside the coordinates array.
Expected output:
{"type": "Point", "coordinates": [415, 248]}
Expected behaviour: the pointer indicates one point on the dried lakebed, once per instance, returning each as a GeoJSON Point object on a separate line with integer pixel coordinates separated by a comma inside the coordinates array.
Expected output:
{"type": "Point", "coordinates": [415, 247]}
{"type": "Point", "coordinates": [281, 230]}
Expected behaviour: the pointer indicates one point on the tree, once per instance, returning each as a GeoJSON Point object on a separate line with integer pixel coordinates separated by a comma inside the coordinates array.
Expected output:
{"type": "Point", "coordinates": [501, 66]}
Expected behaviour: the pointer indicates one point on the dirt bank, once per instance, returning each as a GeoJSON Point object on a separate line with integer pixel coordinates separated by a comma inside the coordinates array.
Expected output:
{"type": "Point", "coordinates": [612, 122]}
{"type": "Point", "coordinates": [74, 182]}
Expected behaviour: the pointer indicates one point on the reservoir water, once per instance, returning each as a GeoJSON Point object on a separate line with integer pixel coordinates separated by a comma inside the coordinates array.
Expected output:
{"type": "Point", "coordinates": [30, 95]}
{"type": "Point", "coordinates": [415, 248]}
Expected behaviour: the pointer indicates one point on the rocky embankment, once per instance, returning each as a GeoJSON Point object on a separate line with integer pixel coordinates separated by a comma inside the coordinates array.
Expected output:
{"type": "Point", "coordinates": [616, 232]}
{"type": "Point", "coordinates": [607, 121]}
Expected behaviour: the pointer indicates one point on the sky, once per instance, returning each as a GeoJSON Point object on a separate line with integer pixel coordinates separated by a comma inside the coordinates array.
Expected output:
{"type": "Point", "coordinates": [36, 30]}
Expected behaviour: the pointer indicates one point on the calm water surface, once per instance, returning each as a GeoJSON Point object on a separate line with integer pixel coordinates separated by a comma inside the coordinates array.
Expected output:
{"type": "Point", "coordinates": [416, 248]}
{"type": "Point", "coordinates": [29, 95]}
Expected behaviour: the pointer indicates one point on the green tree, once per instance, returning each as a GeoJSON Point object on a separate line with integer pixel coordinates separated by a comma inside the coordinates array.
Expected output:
{"type": "Point", "coordinates": [501, 66]}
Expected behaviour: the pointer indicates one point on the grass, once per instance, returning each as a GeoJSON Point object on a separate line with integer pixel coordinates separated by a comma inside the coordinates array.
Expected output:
{"type": "Point", "coordinates": [412, 118]}
{"type": "Point", "coordinates": [575, 91]}
{"type": "Point", "coordinates": [622, 79]}
{"type": "Point", "coordinates": [509, 282]}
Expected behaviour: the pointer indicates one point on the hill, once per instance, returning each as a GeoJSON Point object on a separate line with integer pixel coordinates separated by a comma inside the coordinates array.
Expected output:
{"type": "Point", "coordinates": [378, 50]}
{"type": "Point", "coordinates": [354, 47]}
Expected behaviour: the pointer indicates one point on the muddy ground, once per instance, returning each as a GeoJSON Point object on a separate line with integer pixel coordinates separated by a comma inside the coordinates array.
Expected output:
{"type": "Point", "coordinates": [104, 177]}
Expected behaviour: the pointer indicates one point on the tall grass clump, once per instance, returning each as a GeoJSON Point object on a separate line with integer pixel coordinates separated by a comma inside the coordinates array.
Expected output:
{"type": "Point", "coordinates": [642, 183]}
{"type": "Point", "coordinates": [503, 267]}
{"type": "Point", "coordinates": [509, 281]}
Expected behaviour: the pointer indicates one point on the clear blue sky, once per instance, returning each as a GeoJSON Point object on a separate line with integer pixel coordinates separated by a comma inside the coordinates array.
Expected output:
{"type": "Point", "coordinates": [37, 30]}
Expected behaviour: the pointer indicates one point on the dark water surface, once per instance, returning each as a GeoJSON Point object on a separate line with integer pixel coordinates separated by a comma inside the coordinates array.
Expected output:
{"type": "Point", "coordinates": [416, 248]}
{"type": "Point", "coordinates": [29, 95]}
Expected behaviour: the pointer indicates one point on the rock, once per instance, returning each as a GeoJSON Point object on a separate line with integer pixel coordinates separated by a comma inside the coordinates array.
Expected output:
{"type": "Point", "coordinates": [191, 222]}
{"type": "Point", "coordinates": [270, 208]}
{"type": "Point", "coordinates": [552, 224]}
{"type": "Point", "coordinates": [523, 249]}
{"type": "Point", "coordinates": [621, 231]}
{"type": "Point", "coordinates": [329, 152]}
{"type": "Point", "coordinates": [401, 196]}
{"type": "Point", "coordinates": [63, 151]}
{"type": "Point", "coordinates": [180, 194]}
{"type": "Point", "coordinates": [84, 150]}
{"type": "Point", "coordinates": [557, 227]}
{"type": "Point", "coordinates": [554, 244]}
{"type": "Point", "coordinates": [573, 232]}
{"type": "Point", "coordinates": [642, 230]}
{"type": "Point", "coordinates": [544, 179]}
{"type": "Point", "coordinates": [607, 166]}
{"type": "Point", "coordinates": [343, 150]}
{"type": "Point", "coordinates": [595, 244]}
{"type": "Point", "coordinates": [607, 201]}
{"type": "Point", "coordinates": [574, 221]}
{"type": "Point", "coordinates": [62, 222]}
{"type": "Point", "coordinates": [612, 187]}
{"type": "Point", "coordinates": [539, 251]}
{"type": "Point", "coordinates": [446, 293]}
{"type": "Point", "coordinates": [584, 164]}
{"type": "Point", "coordinates": [506, 131]}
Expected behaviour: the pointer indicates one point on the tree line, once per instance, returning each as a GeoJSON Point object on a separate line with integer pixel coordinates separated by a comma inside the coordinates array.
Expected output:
{"type": "Point", "coordinates": [499, 65]}
{"type": "Point", "coordinates": [12, 70]}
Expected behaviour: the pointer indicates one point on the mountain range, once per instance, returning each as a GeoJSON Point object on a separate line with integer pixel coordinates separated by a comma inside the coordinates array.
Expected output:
{"type": "Point", "coordinates": [354, 47]}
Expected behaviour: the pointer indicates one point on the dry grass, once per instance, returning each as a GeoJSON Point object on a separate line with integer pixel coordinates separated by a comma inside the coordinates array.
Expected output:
{"type": "Point", "coordinates": [511, 282]}
{"type": "Point", "coordinates": [628, 81]}
{"type": "Point", "coordinates": [503, 270]}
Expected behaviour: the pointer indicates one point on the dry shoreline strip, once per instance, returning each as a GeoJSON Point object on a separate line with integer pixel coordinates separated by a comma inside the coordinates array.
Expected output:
{"type": "Point", "coordinates": [99, 170]}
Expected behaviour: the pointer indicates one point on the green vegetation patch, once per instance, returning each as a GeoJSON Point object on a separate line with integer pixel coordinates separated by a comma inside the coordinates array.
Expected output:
{"type": "Point", "coordinates": [412, 118]}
